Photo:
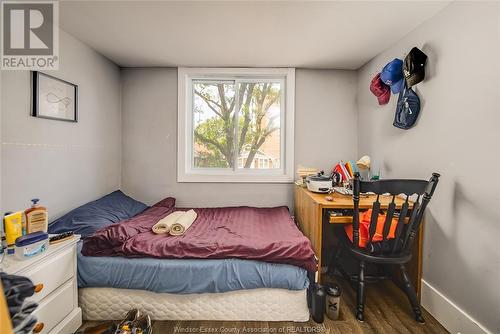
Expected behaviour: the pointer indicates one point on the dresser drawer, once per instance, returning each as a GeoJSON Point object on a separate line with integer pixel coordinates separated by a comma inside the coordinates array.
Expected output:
{"type": "Point", "coordinates": [51, 273]}
{"type": "Point", "coordinates": [55, 308]}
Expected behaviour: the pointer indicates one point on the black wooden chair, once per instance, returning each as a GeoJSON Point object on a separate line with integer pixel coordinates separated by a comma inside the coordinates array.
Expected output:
{"type": "Point", "coordinates": [393, 251]}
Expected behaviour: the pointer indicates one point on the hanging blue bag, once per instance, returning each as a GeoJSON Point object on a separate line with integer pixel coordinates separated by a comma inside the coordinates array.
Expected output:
{"type": "Point", "coordinates": [407, 109]}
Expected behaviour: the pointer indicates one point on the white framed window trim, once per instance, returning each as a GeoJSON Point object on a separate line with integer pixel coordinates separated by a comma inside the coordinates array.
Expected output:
{"type": "Point", "coordinates": [185, 170]}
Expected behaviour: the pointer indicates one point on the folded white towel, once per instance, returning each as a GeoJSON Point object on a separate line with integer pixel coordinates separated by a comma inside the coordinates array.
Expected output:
{"type": "Point", "coordinates": [165, 224]}
{"type": "Point", "coordinates": [183, 223]}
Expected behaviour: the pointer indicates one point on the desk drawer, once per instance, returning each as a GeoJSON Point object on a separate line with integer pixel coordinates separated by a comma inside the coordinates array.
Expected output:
{"type": "Point", "coordinates": [51, 273]}
{"type": "Point", "coordinates": [340, 219]}
{"type": "Point", "coordinates": [340, 216]}
{"type": "Point", "coordinates": [54, 308]}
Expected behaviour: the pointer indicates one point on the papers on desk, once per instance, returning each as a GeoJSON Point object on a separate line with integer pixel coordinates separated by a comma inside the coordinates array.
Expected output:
{"type": "Point", "coordinates": [343, 191]}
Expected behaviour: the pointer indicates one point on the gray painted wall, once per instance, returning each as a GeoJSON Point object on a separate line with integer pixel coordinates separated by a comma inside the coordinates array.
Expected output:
{"type": "Point", "coordinates": [324, 133]}
{"type": "Point", "coordinates": [1, 113]}
{"type": "Point", "coordinates": [456, 135]}
{"type": "Point", "coordinates": [72, 163]}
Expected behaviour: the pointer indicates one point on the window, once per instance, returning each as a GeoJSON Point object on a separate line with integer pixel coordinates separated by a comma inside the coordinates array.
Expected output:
{"type": "Point", "coordinates": [235, 125]}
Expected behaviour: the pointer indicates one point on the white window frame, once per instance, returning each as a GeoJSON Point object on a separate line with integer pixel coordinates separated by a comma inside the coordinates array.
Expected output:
{"type": "Point", "coordinates": [185, 171]}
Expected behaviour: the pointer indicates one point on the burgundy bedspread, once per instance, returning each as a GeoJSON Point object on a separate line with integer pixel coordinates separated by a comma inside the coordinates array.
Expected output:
{"type": "Point", "coordinates": [264, 234]}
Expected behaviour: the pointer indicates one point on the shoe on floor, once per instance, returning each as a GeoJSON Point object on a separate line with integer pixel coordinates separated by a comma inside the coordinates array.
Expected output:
{"type": "Point", "coordinates": [126, 325]}
{"type": "Point", "coordinates": [142, 325]}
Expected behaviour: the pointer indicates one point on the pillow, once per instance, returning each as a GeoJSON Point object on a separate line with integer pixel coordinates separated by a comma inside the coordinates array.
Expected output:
{"type": "Point", "coordinates": [90, 217]}
{"type": "Point", "coordinates": [168, 202]}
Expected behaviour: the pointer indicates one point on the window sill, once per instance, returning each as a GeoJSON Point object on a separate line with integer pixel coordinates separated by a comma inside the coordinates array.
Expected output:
{"type": "Point", "coordinates": [206, 178]}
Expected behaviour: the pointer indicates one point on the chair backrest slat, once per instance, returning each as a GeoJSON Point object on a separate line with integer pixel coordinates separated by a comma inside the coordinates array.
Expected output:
{"type": "Point", "coordinates": [387, 223]}
{"type": "Point", "coordinates": [404, 234]}
{"type": "Point", "coordinates": [374, 219]}
{"type": "Point", "coordinates": [355, 215]}
{"type": "Point", "coordinates": [411, 222]}
{"type": "Point", "coordinates": [400, 226]}
{"type": "Point", "coordinates": [388, 219]}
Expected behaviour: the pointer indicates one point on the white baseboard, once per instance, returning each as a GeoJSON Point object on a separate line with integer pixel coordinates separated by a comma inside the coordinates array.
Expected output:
{"type": "Point", "coordinates": [454, 319]}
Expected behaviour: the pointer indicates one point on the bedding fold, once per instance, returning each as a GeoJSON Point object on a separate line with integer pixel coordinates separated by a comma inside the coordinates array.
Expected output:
{"type": "Point", "coordinates": [263, 234]}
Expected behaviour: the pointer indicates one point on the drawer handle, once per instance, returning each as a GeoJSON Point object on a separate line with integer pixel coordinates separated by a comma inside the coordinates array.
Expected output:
{"type": "Point", "coordinates": [38, 287]}
{"type": "Point", "coordinates": [38, 327]}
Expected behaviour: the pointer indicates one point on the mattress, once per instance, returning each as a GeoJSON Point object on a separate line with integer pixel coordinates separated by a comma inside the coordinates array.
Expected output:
{"type": "Point", "coordinates": [242, 305]}
{"type": "Point", "coordinates": [186, 276]}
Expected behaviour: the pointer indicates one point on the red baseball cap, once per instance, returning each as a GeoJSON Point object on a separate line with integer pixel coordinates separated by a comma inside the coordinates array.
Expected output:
{"type": "Point", "coordinates": [380, 90]}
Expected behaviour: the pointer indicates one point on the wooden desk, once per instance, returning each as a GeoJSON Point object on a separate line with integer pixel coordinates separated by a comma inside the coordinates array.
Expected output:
{"type": "Point", "coordinates": [312, 210]}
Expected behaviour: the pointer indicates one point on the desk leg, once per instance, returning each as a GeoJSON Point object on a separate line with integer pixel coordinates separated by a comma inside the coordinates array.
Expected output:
{"type": "Point", "coordinates": [418, 258]}
{"type": "Point", "coordinates": [308, 215]}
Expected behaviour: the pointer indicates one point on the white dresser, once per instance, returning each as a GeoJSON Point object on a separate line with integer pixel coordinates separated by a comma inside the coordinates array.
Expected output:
{"type": "Point", "coordinates": [54, 275]}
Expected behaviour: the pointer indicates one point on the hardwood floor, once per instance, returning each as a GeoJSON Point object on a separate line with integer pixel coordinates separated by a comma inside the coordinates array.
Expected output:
{"type": "Point", "coordinates": [387, 311]}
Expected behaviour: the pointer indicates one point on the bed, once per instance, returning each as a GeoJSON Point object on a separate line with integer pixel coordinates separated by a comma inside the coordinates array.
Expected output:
{"type": "Point", "coordinates": [213, 272]}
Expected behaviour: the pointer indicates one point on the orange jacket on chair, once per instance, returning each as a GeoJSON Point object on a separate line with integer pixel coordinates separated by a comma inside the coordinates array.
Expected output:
{"type": "Point", "coordinates": [364, 228]}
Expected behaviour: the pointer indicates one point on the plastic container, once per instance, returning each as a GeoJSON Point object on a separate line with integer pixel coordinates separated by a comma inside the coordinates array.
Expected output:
{"type": "Point", "coordinates": [31, 245]}
{"type": "Point", "coordinates": [37, 218]}
{"type": "Point", "coordinates": [3, 242]}
{"type": "Point", "coordinates": [13, 224]}
{"type": "Point", "coordinates": [333, 293]}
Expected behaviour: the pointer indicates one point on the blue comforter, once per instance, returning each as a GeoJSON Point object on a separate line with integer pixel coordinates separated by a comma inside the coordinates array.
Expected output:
{"type": "Point", "coordinates": [185, 276]}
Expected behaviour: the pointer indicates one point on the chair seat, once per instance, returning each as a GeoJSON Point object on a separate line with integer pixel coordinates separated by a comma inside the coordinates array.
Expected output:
{"type": "Point", "coordinates": [361, 254]}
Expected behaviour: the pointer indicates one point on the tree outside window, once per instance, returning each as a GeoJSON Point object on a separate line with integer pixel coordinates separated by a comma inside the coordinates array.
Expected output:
{"type": "Point", "coordinates": [236, 124]}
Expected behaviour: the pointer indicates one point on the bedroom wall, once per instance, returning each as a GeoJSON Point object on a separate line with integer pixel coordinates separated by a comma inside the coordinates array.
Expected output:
{"type": "Point", "coordinates": [1, 113]}
{"type": "Point", "coordinates": [64, 164]}
{"type": "Point", "coordinates": [324, 123]}
{"type": "Point", "coordinates": [456, 135]}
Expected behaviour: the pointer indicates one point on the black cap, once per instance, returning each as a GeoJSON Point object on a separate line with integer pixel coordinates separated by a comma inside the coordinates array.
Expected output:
{"type": "Point", "coordinates": [414, 67]}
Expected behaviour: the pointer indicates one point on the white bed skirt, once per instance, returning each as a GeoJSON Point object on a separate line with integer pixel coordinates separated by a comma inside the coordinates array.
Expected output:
{"type": "Point", "coordinates": [241, 305]}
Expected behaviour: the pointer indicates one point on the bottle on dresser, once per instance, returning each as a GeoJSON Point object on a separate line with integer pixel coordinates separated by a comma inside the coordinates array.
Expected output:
{"type": "Point", "coordinates": [37, 218]}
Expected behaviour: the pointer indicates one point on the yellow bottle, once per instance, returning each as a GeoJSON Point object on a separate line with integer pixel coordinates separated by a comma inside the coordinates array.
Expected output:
{"type": "Point", "coordinates": [37, 218]}
{"type": "Point", "coordinates": [13, 223]}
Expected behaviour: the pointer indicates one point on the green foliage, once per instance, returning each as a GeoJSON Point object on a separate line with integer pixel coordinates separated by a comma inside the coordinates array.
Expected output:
{"type": "Point", "coordinates": [216, 136]}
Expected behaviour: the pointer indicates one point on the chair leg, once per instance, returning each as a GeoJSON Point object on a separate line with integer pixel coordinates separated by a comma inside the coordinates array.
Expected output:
{"type": "Point", "coordinates": [361, 292]}
{"type": "Point", "coordinates": [412, 297]}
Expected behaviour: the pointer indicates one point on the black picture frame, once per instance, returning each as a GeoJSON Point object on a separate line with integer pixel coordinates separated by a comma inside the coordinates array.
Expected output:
{"type": "Point", "coordinates": [36, 95]}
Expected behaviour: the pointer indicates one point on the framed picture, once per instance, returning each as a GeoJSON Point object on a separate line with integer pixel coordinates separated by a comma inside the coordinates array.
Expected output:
{"type": "Point", "coordinates": [54, 98]}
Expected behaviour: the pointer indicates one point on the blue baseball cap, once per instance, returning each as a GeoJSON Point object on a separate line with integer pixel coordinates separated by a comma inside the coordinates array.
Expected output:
{"type": "Point", "coordinates": [392, 75]}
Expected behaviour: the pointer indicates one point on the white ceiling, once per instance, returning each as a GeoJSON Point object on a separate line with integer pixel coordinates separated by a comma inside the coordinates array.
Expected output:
{"type": "Point", "coordinates": [328, 34]}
